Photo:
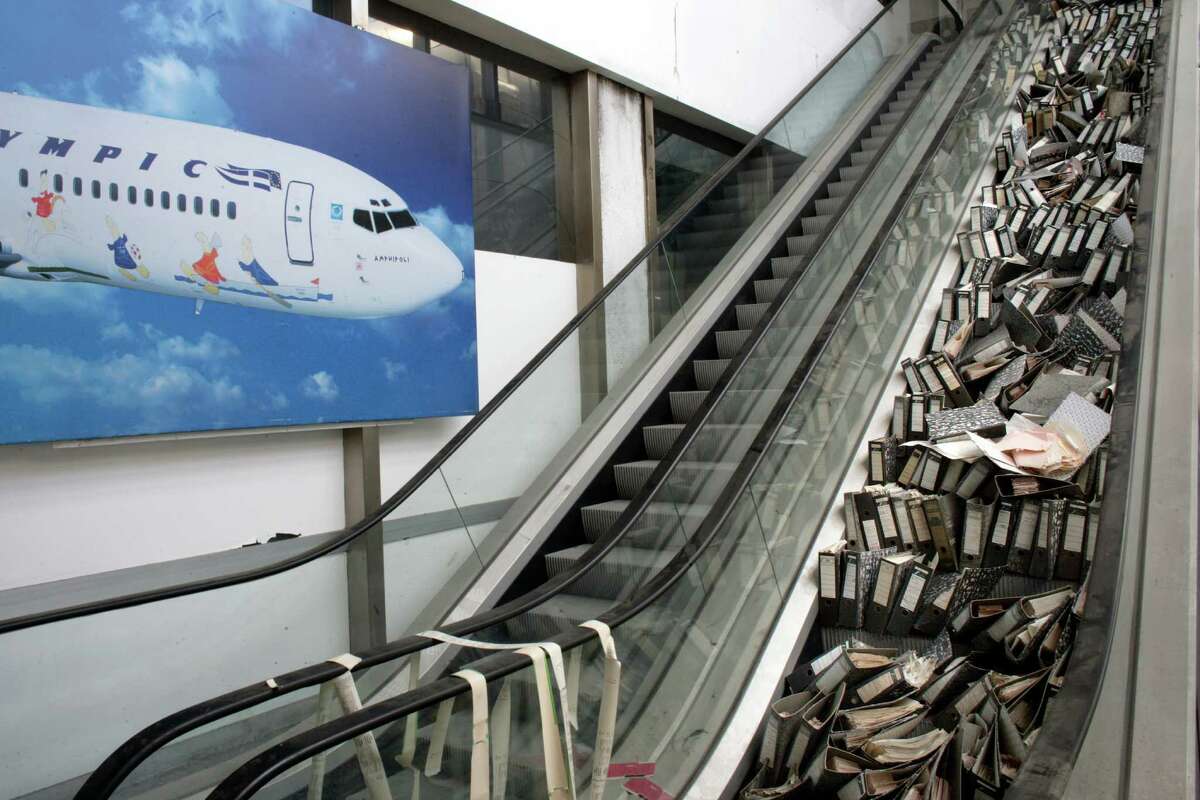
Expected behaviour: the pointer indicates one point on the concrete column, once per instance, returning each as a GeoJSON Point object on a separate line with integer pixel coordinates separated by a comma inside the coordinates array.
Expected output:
{"type": "Point", "coordinates": [365, 575]}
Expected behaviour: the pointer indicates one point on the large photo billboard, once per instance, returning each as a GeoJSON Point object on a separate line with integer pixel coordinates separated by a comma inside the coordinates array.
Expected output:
{"type": "Point", "coordinates": [223, 214]}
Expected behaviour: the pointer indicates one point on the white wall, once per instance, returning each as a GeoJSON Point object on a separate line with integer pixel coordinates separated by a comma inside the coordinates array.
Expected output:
{"type": "Point", "coordinates": [737, 63]}
{"type": "Point", "coordinates": [76, 511]}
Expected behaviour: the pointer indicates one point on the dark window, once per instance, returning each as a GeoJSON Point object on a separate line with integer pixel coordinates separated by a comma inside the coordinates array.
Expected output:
{"type": "Point", "coordinates": [362, 219]}
{"type": "Point", "coordinates": [181, 202]}
{"type": "Point", "coordinates": [375, 202]}
{"type": "Point", "coordinates": [164, 200]}
{"type": "Point", "coordinates": [77, 186]}
{"type": "Point", "coordinates": [96, 189]}
{"type": "Point", "coordinates": [23, 177]}
{"type": "Point", "coordinates": [132, 193]}
{"type": "Point", "coordinates": [58, 183]}
{"type": "Point", "coordinates": [198, 204]}
{"type": "Point", "coordinates": [386, 203]}
{"type": "Point", "coordinates": [113, 192]}
{"type": "Point", "coordinates": [214, 207]}
{"type": "Point", "coordinates": [381, 222]}
{"type": "Point", "coordinates": [401, 219]}
{"type": "Point", "coordinates": [148, 197]}
{"type": "Point", "coordinates": [231, 210]}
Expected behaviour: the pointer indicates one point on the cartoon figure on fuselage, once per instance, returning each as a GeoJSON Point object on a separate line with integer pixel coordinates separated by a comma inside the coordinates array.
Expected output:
{"type": "Point", "coordinates": [318, 236]}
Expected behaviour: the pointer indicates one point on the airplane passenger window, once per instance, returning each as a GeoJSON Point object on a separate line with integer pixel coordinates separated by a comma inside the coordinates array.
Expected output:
{"type": "Point", "coordinates": [164, 200]}
{"type": "Point", "coordinates": [381, 221]}
{"type": "Point", "coordinates": [96, 189]}
{"type": "Point", "coordinates": [58, 183]}
{"type": "Point", "coordinates": [214, 207]}
{"type": "Point", "coordinates": [231, 210]}
{"type": "Point", "coordinates": [401, 219]}
{"type": "Point", "coordinates": [362, 219]}
{"type": "Point", "coordinates": [77, 186]}
{"type": "Point", "coordinates": [181, 202]}
{"type": "Point", "coordinates": [132, 194]}
{"type": "Point", "coordinates": [198, 204]}
{"type": "Point", "coordinates": [23, 177]}
{"type": "Point", "coordinates": [113, 192]}
{"type": "Point", "coordinates": [149, 198]}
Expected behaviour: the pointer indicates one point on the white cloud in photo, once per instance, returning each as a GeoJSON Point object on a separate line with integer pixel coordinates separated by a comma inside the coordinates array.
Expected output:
{"type": "Point", "coordinates": [394, 370]}
{"type": "Point", "coordinates": [209, 347]}
{"type": "Point", "coordinates": [213, 24]}
{"type": "Point", "coordinates": [170, 87]}
{"type": "Point", "coordinates": [320, 386]}
{"type": "Point", "coordinates": [458, 237]}
{"type": "Point", "coordinates": [52, 299]}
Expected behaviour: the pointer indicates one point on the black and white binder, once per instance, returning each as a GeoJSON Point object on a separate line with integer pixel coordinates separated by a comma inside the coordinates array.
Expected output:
{"type": "Point", "coordinates": [908, 541]}
{"type": "Point", "coordinates": [1049, 533]}
{"type": "Point", "coordinates": [1074, 542]}
{"type": "Point", "coordinates": [906, 607]}
{"type": "Point", "coordinates": [848, 601]}
{"type": "Point", "coordinates": [915, 386]}
{"type": "Point", "coordinates": [920, 524]}
{"type": "Point", "coordinates": [952, 473]}
{"type": "Point", "coordinates": [1025, 531]}
{"type": "Point", "coordinates": [972, 481]}
{"type": "Point", "coordinates": [868, 520]}
{"type": "Point", "coordinates": [974, 533]}
{"type": "Point", "coordinates": [909, 474]}
{"type": "Point", "coordinates": [949, 379]}
{"type": "Point", "coordinates": [931, 472]}
{"type": "Point", "coordinates": [893, 570]}
{"type": "Point", "coordinates": [900, 418]}
{"type": "Point", "coordinates": [995, 553]}
{"type": "Point", "coordinates": [875, 462]}
{"type": "Point", "coordinates": [941, 529]}
{"type": "Point", "coordinates": [854, 537]}
{"type": "Point", "coordinates": [829, 563]}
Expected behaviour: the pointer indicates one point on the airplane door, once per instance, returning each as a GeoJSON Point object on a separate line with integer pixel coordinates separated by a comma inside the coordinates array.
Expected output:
{"type": "Point", "coordinates": [298, 222]}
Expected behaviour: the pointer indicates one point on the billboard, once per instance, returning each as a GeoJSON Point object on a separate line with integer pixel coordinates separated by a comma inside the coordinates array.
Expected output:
{"type": "Point", "coordinates": [227, 214]}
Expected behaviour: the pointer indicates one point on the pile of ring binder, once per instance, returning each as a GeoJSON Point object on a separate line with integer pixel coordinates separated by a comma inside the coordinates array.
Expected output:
{"type": "Point", "coordinates": [946, 615]}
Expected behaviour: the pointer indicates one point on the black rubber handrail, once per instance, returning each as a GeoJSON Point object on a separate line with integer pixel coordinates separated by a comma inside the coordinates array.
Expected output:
{"type": "Point", "coordinates": [112, 772]}
{"type": "Point", "coordinates": [265, 767]}
{"type": "Point", "coordinates": [334, 540]}
{"type": "Point", "coordinates": [1047, 770]}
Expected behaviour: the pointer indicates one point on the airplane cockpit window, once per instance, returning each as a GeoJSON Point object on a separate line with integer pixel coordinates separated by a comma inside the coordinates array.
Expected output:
{"type": "Point", "coordinates": [401, 219]}
{"type": "Point", "coordinates": [383, 221]}
{"type": "Point", "coordinates": [386, 203]}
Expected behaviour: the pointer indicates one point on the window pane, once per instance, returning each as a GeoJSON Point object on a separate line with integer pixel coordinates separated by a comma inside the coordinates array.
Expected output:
{"type": "Point", "coordinates": [164, 200]}
{"type": "Point", "coordinates": [58, 183]}
{"type": "Point", "coordinates": [23, 177]}
{"type": "Point", "coordinates": [381, 222]}
{"type": "Point", "coordinates": [362, 218]}
{"type": "Point", "coordinates": [113, 192]}
{"type": "Point", "coordinates": [214, 207]}
{"type": "Point", "coordinates": [231, 210]}
{"type": "Point", "coordinates": [181, 202]}
{"type": "Point", "coordinates": [198, 205]}
{"type": "Point", "coordinates": [132, 194]}
{"type": "Point", "coordinates": [96, 189]}
{"type": "Point", "coordinates": [77, 186]}
{"type": "Point", "coordinates": [149, 198]}
{"type": "Point", "coordinates": [401, 219]}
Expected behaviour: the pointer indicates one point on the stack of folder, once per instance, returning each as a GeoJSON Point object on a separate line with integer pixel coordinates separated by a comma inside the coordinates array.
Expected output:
{"type": "Point", "coordinates": [946, 614]}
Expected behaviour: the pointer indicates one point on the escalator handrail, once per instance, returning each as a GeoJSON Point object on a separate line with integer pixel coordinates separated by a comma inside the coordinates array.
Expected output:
{"type": "Point", "coordinates": [109, 775]}
{"type": "Point", "coordinates": [261, 769]}
{"type": "Point", "coordinates": [337, 539]}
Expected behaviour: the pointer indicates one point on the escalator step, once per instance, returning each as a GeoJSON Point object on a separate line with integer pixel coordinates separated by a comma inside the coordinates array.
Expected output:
{"type": "Point", "coordinates": [814, 225]}
{"type": "Point", "coordinates": [715, 222]}
{"type": "Point", "coordinates": [883, 129]}
{"type": "Point", "coordinates": [622, 569]}
{"type": "Point", "coordinates": [890, 118]}
{"type": "Point", "coordinates": [690, 481]}
{"type": "Point", "coordinates": [830, 205]}
{"type": "Point", "coordinates": [714, 442]}
{"type": "Point", "coordinates": [840, 188]}
{"type": "Point", "coordinates": [786, 266]}
{"type": "Point", "coordinates": [765, 290]}
{"type": "Point", "coordinates": [717, 238]}
{"type": "Point", "coordinates": [662, 517]}
{"type": "Point", "coordinates": [900, 105]}
{"type": "Point", "coordinates": [707, 371]}
{"type": "Point", "coordinates": [730, 342]}
{"type": "Point", "coordinates": [907, 94]}
{"type": "Point", "coordinates": [632, 475]}
{"type": "Point", "coordinates": [684, 404]}
{"type": "Point", "coordinates": [748, 314]}
{"type": "Point", "coordinates": [802, 245]}
{"type": "Point", "coordinates": [720, 205]}
{"type": "Point", "coordinates": [852, 173]}
{"type": "Point", "coordinates": [873, 142]}
{"type": "Point", "coordinates": [860, 157]}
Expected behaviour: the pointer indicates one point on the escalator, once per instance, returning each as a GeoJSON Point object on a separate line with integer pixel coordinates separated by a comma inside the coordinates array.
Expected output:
{"type": "Point", "coordinates": [692, 633]}
{"type": "Point", "coordinates": [635, 518]}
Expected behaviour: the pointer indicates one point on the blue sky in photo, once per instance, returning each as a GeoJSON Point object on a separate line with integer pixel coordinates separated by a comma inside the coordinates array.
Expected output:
{"type": "Point", "coordinates": [85, 361]}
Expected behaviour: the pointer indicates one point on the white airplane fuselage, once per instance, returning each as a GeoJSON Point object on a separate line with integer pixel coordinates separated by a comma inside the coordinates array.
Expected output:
{"type": "Point", "coordinates": [207, 213]}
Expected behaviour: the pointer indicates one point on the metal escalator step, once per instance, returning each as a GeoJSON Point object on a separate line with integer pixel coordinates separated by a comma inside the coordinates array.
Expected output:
{"type": "Point", "coordinates": [765, 290]}
{"type": "Point", "coordinates": [720, 205]}
{"type": "Point", "coordinates": [830, 205]}
{"type": "Point", "coordinates": [630, 476]}
{"type": "Point", "coordinates": [786, 266]}
{"type": "Point", "coordinates": [873, 142]}
{"type": "Point", "coordinates": [622, 569]}
{"type": "Point", "coordinates": [662, 517]}
{"type": "Point", "coordinates": [730, 342]}
{"type": "Point", "coordinates": [814, 225]}
{"type": "Point", "coordinates": [748, 314]}
{"type": "Point", "coordinates": [840, 188]}
{"type": "Point", "coordinates": [890, 118]}
{"type": "Point", "coordinates": [883, 129]}
{"type": "Point", "coordinates": [713, 442]}
{"type": "Point", "coordinates": [802, 245]}
{"type": "Point", "coordinates": [907, 94]}
{"type": "Point", "coordinates": [689, 481]}
{"type": "Point", "coordinates": [900, 105]}
{"type": "Point", "coordinates": [685, 403]}
{"type": "Point", "coordinates": [707, 371]}
{"type": "Point", "coordinates": [851, 173]}
{"type": "Point", "coordinates": [860, 157]}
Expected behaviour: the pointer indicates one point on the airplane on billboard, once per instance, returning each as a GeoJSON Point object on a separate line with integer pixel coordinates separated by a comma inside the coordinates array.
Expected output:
{"type": "Point", "coordinates": [159, 205]}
